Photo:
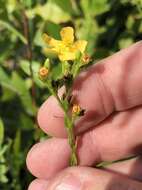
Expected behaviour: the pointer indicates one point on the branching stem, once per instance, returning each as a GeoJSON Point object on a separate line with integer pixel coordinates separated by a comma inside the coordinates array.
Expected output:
{"type": "Point", "coordinates": [69, 124]}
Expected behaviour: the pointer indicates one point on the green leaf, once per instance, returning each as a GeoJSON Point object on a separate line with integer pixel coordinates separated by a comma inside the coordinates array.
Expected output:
{"type": "Point", "coordinates": [4, 149]}
{"type": "Point", "coordinates": [11, 5]}
{"type": "Point", "coordinates": [5, 81]}
{"type": "Point", "coordinates": [48, 27]}
{"type": "Point", "coordinates": [99, 6]}
{"type": "Point", "coordinates": [7, 94]}
{"type": "Point", "coordinates": [94, 7]}
{"type": "Point", "coordinates": [130, 22]}
{"type": "Point", "coordinates": [65, 5]}
{"type": "Point", "coordinates": [49, 11]}
{"type": "Point", "coordinates": [125, 42]}
{"type": "Point", "coordinates": [17, 143]}
{"type": "Point", "coordinates": [13, 30]}
{"type": "Point", "coordinates": [53, 29]}
{"type": "Point", "coordinates": [65, 68]}
{"type": "Point", "coordinates": [57, 71]}
{"type": "Point", "coordinates": [47, 63]}
{"type": "Point", "coordinates": [3, 178]}
{"type": "Point", "coordinates": [3, 76]}
{"type": "Point", "coordinates": [85, 4]}
{"type": "Point", "coordinates": [87, 29]}
{"type": "Point", "coordinates": [25, 66]}
{"type": "Point", "coordinates": [28, 3]}
{"type": "Point", "coordinates": [3, 170]}
{"type": "Point", "coordinates": [24, 94]}
{"type": "Point", "coordinates": [1, 132]}
{"type": "Point", "coordinates": [26, 122]}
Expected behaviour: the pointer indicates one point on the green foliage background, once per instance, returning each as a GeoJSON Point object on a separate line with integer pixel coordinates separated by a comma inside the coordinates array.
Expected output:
{"type": "Point", "coordinates": [108, 25]}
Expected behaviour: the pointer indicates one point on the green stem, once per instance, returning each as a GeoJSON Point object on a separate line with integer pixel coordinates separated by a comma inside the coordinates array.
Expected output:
{"type": "Point", "coordinates": [71, 139]}
{"type": "Point", "coordinates": [69, 124]}
{"type": "Point", "coordinates": [52, 91]}
{"type": "Point", "coordinates": [70, 131]}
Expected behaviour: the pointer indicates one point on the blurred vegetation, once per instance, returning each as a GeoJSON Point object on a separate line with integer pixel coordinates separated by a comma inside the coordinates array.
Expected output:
{"type": "Point", "coordinates": [108, 25]}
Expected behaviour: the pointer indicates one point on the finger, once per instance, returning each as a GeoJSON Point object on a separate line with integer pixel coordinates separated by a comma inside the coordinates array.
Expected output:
{"type": "Point", "coordinates": [38, 184]}
{"type": "Point", "coordinates": [113, 84]}
{"type": "Point", "coordinates": [131, 168]}
{"type": "Point", "coordinates": [48, 157]}
{"type": "Point", "coordinates": [117, 137]}
{"type": "Point", "coordinates": [83, 178]}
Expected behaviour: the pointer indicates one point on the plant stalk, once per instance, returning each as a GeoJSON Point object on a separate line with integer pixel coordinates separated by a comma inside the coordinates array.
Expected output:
{"type": "Point", "coordinates": [69, 124]}
{"type": "Point", "coordinates": [29, 54]}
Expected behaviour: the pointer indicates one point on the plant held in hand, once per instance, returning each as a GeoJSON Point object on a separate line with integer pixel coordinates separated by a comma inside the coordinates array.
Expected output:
{"type": "Point", "coordinates": [71, 55]}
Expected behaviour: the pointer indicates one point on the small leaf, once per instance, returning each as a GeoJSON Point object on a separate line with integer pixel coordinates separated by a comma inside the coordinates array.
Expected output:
{"type": "Point", "coordinates": [94, 7]}
{"type": "Point", "coordinates": [7, 94]}
{"type": "Point", "coordinates": [57, 71]}
{"type": "Point", "coordinates": [13, 30]}
{"type": "Point", "coordinates": [17, 143]}
{"type": "Point", "coordinates": [66, 5]}
{"type": "Point", "coordinates": [5, 80]}
{"type": "Point", "coordinates": [23, 92]}
{"type": "Point", "coordinates": [25, 66]}
{"type": "Point", "coordinates": [65, 68]}
{"type": "Point", "coordinates": [11, 5]}
{"type": "Point", "coordinates": [1, 131]}
{"type": "Point", "coordinates": [49, 11]}
{"type": "Point", "coordinates": [47, 63]}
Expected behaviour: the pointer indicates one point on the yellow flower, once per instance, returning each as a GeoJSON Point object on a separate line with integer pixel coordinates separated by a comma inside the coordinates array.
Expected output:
{"type": "Point", "coordinates": [66, 48]}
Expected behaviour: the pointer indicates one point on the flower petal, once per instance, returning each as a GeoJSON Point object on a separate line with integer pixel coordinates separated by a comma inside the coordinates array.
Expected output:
{"type": "Point", "coordinates": [66, 56]}
{"type": "Point", "coordinates": [67, 35]}
{"type": "Point", "coordinates": [51, 41]}
{"type": "Point", "coordinates": [80, 45]}
{"type": "Point", "coordinates": [50, 52]}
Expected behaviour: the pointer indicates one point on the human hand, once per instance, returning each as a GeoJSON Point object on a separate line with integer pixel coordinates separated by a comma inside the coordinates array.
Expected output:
{"type": "Point", "coordinates": [111, 94]}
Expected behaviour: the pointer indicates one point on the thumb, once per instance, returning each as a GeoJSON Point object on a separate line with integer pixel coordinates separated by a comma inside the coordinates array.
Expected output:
{"type": "Point", "coordinates": [85, 178]}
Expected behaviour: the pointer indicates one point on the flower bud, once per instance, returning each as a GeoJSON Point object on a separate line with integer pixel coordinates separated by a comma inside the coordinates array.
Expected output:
{"type": "Point", "coordinates": [86, 59]}
{"type": "Point", "coordinates": [76, 109]}
{"type": "Point", "coordinates": [43, 73]}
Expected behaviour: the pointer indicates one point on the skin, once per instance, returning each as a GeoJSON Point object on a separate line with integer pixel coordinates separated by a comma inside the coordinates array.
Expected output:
{"type": "Point", "coordinates": [111, 94]}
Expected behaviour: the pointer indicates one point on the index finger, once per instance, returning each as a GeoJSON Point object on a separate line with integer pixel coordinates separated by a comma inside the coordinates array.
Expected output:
{"type": "Point", "coordinates": [114, 84]}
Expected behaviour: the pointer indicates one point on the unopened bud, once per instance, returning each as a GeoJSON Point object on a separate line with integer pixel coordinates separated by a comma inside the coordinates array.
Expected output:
{"type": "Point", "coordinates": [86, 59]}
{"type": "Point", "coordinates": [43, 73]}
{"type": "Point", "coordinates": [76, 109]}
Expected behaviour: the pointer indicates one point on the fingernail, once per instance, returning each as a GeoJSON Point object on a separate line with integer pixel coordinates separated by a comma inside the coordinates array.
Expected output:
{"type": "Point", "coordinates": [69, 182]}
